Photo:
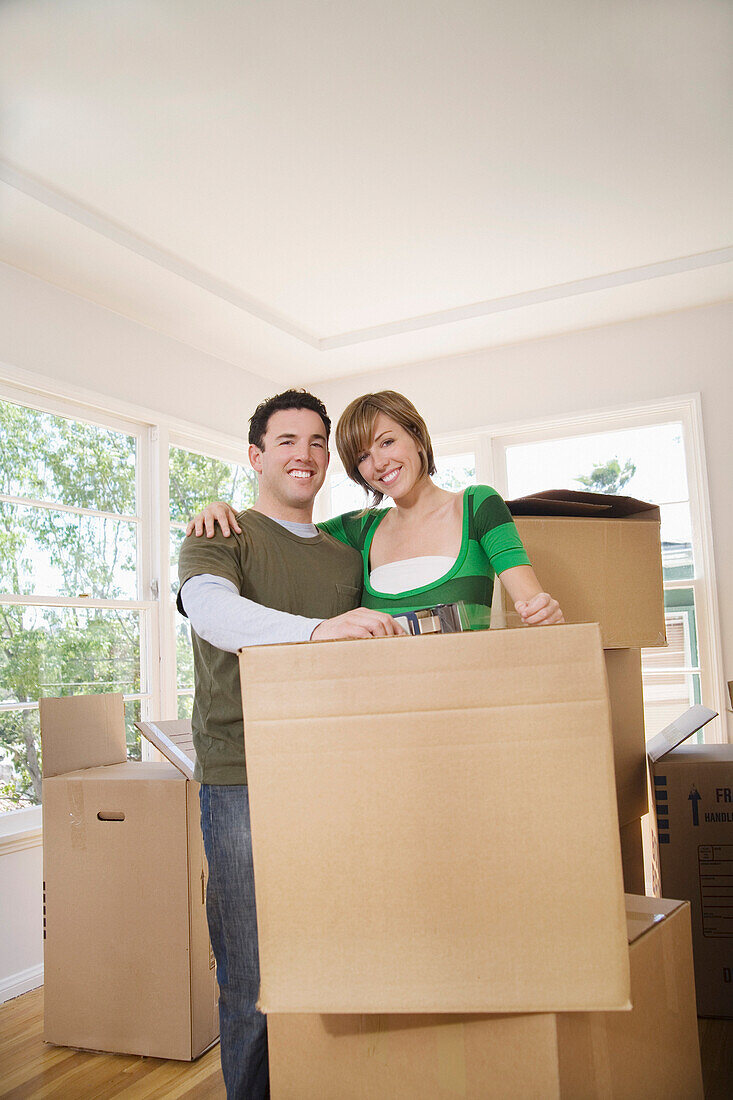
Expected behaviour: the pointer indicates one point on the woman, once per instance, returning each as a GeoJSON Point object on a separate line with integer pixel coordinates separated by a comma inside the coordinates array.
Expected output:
{"type": "Point", "coordinates": [434, 547]}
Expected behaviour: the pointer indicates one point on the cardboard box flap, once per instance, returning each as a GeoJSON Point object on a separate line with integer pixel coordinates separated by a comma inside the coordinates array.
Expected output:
{"type": "Point", "coordinates": [485, 754]}
{"type": "Point", "coordinates": [82, 731]}
{"type": "Point", "coordinates": [173, 740]}
{"type": "Point", "coordinates": [566, 502]}
{"type": "Point", "coordinates": [679, 730]}
{"type": "Point", "coordinates": [643, 913]}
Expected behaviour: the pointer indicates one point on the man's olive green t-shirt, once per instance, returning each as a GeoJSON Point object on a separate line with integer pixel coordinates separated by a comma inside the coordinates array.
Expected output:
{"type": "Point", "coordinates": [317, 577]}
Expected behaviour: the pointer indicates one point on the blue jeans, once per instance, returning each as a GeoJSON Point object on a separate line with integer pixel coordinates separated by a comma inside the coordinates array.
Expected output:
{"type": "Point", "coordinates": [230, 908]}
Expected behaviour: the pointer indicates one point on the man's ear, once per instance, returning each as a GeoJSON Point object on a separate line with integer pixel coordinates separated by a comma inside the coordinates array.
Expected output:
{"type": "Point", "coordinates": [255, 458]}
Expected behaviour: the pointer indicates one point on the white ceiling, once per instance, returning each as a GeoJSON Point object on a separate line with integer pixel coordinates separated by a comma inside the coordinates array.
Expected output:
{"type": "Point", "coordinates": [312, 188]}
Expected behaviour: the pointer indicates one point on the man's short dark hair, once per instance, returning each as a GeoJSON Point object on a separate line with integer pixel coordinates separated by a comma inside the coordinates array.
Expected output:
{"type": "Point", "coordinates": [290, 399]}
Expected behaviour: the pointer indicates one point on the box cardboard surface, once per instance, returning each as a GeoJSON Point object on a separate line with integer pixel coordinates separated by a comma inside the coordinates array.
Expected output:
{"type": "Point", "coordinates": [600, 557]}
{"type": "Point", "coordinates": [651, 1052]}
{"type": "Point", "coordinates": [420, 815]}
{"type": "Point", "coordinates": [632, 857]}
{"type": "Point", "coordinates": [623, 669]}
{"type": "Point", "coordinates": [127, 963]}
{"type": "Point", "coordinates": [693, 796]}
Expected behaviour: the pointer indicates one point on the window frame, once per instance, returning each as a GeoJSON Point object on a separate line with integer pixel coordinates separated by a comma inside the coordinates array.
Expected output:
{"type": "Point", "coordinates": [144, 603]}
{"type": "Point", "coordinates": [685, 409]}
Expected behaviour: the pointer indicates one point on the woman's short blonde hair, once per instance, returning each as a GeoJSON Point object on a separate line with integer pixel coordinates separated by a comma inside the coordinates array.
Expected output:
{"type": "Point", "coordinates": [355, 431]}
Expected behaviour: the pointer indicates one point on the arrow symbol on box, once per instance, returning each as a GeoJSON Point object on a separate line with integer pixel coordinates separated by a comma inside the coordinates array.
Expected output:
{"type": "Point", "coordinates": [695, 796]}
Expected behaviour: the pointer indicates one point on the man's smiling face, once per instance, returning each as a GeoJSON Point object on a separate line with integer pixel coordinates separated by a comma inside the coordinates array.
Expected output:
{"type": "Point", "coordinates": [291, 465]}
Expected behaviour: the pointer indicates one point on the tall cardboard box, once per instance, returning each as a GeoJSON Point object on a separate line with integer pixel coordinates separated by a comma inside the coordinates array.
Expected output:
{"type": "Point", "coordinates": [127, 960]}
{"type": "Point", "coordinates": [600, 557]}
{"type": "Point", "coordinates": [693, 799]}
{"type": "Point", "coordinates": [650, 1053]}
{"type": "Point", "coordinates": [420, 812]}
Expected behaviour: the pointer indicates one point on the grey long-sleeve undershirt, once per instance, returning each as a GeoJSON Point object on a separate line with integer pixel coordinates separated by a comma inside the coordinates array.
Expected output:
{"type": "Point", "coordinates": [229, 621]}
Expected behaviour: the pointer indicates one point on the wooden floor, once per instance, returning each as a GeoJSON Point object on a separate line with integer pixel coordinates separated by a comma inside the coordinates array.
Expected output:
{"type": "Point", "coordinates": [30, 1068]}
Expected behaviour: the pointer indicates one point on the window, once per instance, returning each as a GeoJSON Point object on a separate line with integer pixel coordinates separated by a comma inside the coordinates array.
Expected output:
{"type": "Point", "coordinates": [71, 614]}
{"type": "Point", "coordinates": [653, 457]}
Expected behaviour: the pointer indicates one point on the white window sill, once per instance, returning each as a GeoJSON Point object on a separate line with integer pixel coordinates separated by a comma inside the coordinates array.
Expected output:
{"type": "Point", "coordinates": [20, 829]}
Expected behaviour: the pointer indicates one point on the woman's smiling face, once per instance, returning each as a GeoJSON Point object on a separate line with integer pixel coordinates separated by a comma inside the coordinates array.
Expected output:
{"type": "Point", "coordinates": [392, 463]}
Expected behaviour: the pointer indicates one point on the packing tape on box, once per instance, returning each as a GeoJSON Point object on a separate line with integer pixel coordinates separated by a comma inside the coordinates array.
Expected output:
{"type": "Point", "coordinates": [589, 1053]}
{"type": "Point", "coordinates": [450, 1043]}
{"type": "Point", "coordinates": [601, 1059]}
{"type": "Point", "coordinates": [376, 1047]}
{"type": "Point", "coordinates": [77, 820]}
{"type": "Point", "coordinates": [450, 1050]}
{"type": "Point", "coordinates": [645, 918]}
{"type": "Point", "coordinates": [671, 972]}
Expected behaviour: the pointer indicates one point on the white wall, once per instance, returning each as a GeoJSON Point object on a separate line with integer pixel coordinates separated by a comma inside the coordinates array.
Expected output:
{"type": "Point", "coordinates": [21, 904]}
{"type": "Point", "coordinates": [55, 334]}
{"type": "Point", "coordinates": [616, 365]}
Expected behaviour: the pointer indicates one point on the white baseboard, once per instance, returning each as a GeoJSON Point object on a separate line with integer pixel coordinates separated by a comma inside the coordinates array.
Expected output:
{"type": "Point", "coordinates": [22, 982]}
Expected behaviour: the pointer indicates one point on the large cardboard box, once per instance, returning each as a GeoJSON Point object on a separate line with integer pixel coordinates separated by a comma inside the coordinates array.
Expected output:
{"type": "Point", "coordinates": [434, 824]}
{"type": "Point", "coordinates": [127, 960]}
{"type": "Point", "coordinates": [650, 1053]}
{"type": "Point", "coordinates": [693, 796]}
{"type": "Point", "coordinates": [600, 556]}
{"type": "Point", "coordinates": [623, 669]}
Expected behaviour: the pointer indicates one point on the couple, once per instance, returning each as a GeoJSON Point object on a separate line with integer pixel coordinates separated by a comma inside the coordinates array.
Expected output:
{"type": "Point", "coordinates": [269, 575]}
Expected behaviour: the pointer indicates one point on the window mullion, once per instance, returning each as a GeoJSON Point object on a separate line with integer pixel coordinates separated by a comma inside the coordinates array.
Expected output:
{"type": "Point", "coordinates": [704, 584]}
{"type": "Point", "coordinates": [165, 611]}
{"type": "Point", "coordinates": [12, 599]}
{"type": "Point", "coordinates": [53, 506]}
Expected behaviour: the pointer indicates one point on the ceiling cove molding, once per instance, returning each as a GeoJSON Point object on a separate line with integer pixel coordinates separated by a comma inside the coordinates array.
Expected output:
{"type": "Point", "coordinates": [110, 229]}
{"type": "Point", "coordinates": [532, 297]}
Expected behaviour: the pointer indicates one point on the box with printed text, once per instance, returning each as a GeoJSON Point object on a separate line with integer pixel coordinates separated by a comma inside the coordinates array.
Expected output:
{"type": "Point", "coordinates": [693, 802]}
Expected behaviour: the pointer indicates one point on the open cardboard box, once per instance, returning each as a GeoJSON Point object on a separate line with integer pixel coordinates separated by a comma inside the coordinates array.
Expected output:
{"type": "Point", "coordinates": [127, 960]}
{"type": "Point", "coordinates": [693, 847]}
{"type": "Point", "coordinates": [434, 824]}
{"type": "Point", "coordinates": [650, 1052]}
{"type": "Point", "coordinates": [600, 557]}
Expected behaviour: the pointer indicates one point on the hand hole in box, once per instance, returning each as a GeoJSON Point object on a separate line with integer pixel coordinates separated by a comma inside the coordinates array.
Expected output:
{"type": "Point", "coordinates": [111, 815]}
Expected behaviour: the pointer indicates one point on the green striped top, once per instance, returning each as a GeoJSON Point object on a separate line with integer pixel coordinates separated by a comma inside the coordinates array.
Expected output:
{"type": "Point", "coordinates": [490, 543]}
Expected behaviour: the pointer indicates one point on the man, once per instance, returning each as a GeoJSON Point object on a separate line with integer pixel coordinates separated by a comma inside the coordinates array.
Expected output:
{"type": "Point", "coordinates": [278, 580]}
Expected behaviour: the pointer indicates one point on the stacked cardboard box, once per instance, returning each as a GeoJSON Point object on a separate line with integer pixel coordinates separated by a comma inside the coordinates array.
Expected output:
{"type": "Point", "coordinates": [462, 805]}
{"type": "Point", "coordinates": [600, 556]}
{"type": "Point", "coordinates": [649, 1052]}
{"type": "Point", "coordinates": [693, 795]}
{"type": "Point", "coordinates": [420, 819]}
{"type": "Point", "coordinates": [127, 960]}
